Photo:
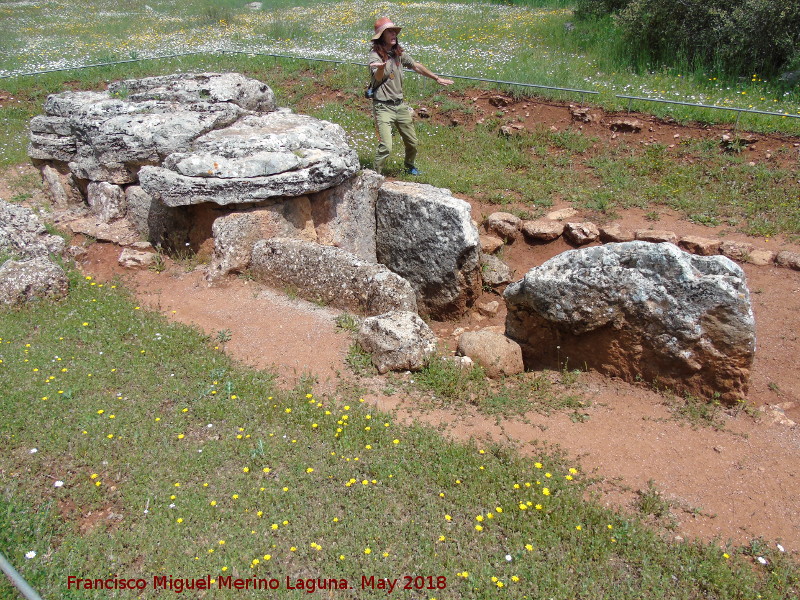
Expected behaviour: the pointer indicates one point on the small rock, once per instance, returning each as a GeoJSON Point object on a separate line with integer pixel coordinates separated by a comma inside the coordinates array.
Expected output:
{"type": "Point", "coordinates": [499, 101]}
{"type": "Point", "coordinates": [736, 250]}
{"type": "Point", "coordinates": [488, 308]}
{"type": "Point", "coordinates": [496, 353]}
{"type": "Point", "coordinates": [562, 214]}
{"type": "Point", "coordinates": [699, 245]}
{"type": "Point", "coordinates": [494, 271]}
{"type": "Point", "coordinates": [761, 257]}
{"type": "Point", "coordinates": [490, 244]}
{"type": "Point", "coordinates": [133, 259]}
{"type": "Point", "coordinates": [656, 236]}
{"type": "Point", "coordinates": [463, 362]}
{"type": "Point", "coordinates": [504, 225]}
{"type": "Point", "coordinates": [788, 259]}
{"type": "Point", "coordinates": [581, 114]}
{"type": "Point", "coordinates": [615, 233]}
{"type": "Point", "coordinates": [398, 341]}
{"type": "Point", "coordinates": [581, 233]}
{"type": "Point", "coordinates": [423, 112]}
{"type": "Point", "coordinates": [542, 230]}
{"type": "Point", "coordinates": [625, 125]}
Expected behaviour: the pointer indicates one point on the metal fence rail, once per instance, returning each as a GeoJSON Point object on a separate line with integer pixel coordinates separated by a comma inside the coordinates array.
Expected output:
{"type": "Point", "coordinates": [738, 110]}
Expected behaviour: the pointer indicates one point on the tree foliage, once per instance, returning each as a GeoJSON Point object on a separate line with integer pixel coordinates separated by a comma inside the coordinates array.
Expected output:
{"type": "Point", "coordinates": [740, 37]}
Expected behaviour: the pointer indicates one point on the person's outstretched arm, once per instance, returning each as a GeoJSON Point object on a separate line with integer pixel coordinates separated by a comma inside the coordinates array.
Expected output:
{"type": "Point", "coordinates": [423, 70]}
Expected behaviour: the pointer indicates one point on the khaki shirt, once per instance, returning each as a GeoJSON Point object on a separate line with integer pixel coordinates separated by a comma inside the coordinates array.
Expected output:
{"type": "Point", "coordinates": [392, 86]}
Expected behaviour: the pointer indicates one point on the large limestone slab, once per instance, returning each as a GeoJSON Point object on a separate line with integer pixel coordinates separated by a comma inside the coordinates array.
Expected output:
{"type": "Point", "coordinates": [232, 88]}
{"type": "Point", "coordinates": [332, 276]}
{"type": "Point", "coordinates": [110, 138]}
{"type": "Point", "coordinates": [639, 310]}
{"type": "Point", "coordinates": [257, 158]}
{"type": "Point", "coordinates": [428, 237]}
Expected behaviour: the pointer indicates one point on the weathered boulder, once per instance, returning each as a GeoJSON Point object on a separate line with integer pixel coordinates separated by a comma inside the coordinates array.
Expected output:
{"type": "Point", "coordinates": [498, 355]}
{"type": "Point", "coordinates": [257, 158]}
{"type": "Point", "coordinates": [428, 237]}
{"type": "Point", "coordinates": [398, 341]}
{"type": "Point", "coordinates": [638, 310]}
{"type": "Point", "coordinates": [60, 186]}
{"type": "Point", "coordinates": [23, 235]}
{"type": "Point", "coordinates": [331, 275]}
{"type": "Point", "coordinates": [26, 280]}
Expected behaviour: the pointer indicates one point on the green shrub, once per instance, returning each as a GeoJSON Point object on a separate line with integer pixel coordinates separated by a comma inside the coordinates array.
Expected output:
{"type": "Point", "coordinates": [740, 37]}
{"type": "Point", "coordinates": [736, 37]}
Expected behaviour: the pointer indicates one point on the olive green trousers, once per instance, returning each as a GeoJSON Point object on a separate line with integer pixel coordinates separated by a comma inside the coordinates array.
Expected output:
{"type": "Point", "coordinates": [398, 115]}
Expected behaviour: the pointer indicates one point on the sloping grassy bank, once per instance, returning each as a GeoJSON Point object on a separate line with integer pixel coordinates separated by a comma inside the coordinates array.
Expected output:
{"type": "Point", "coordinates": [134, 448]}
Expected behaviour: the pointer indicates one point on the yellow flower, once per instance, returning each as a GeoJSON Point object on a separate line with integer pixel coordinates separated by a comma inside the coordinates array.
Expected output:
{"type": "Point", "coordinates": [478, 527]}
{"type": "Point", "coordinates": [367, 551]}
{"type": "Point", "coordinates": [545, 492]}
{"type": "Point", "coordinates": [246, 470]}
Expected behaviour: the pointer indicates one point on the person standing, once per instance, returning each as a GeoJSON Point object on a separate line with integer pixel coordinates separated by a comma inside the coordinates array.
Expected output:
{"type": "Point", "coordinates": [386, 61]}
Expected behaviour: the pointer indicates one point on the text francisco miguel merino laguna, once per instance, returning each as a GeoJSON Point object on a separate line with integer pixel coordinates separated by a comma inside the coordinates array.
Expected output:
{"type": "Point", "coordinates": [228, 582]}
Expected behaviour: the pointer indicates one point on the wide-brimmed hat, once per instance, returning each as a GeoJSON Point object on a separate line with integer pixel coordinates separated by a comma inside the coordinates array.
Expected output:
{"type": "Point", "coordinates": [382, 25]}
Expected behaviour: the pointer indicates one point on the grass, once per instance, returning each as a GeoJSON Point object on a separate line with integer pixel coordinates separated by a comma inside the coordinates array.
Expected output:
{"type": "Point", "coordinates": [177, 461]}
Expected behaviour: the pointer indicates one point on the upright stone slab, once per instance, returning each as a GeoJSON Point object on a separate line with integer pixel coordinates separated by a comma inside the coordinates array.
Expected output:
{"type": "Point", "coordinates": [344, 216]}
{"type": "Point", "coordinates": [638, 310]}
{"type": "Point", "coordinates": [428, 237]}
